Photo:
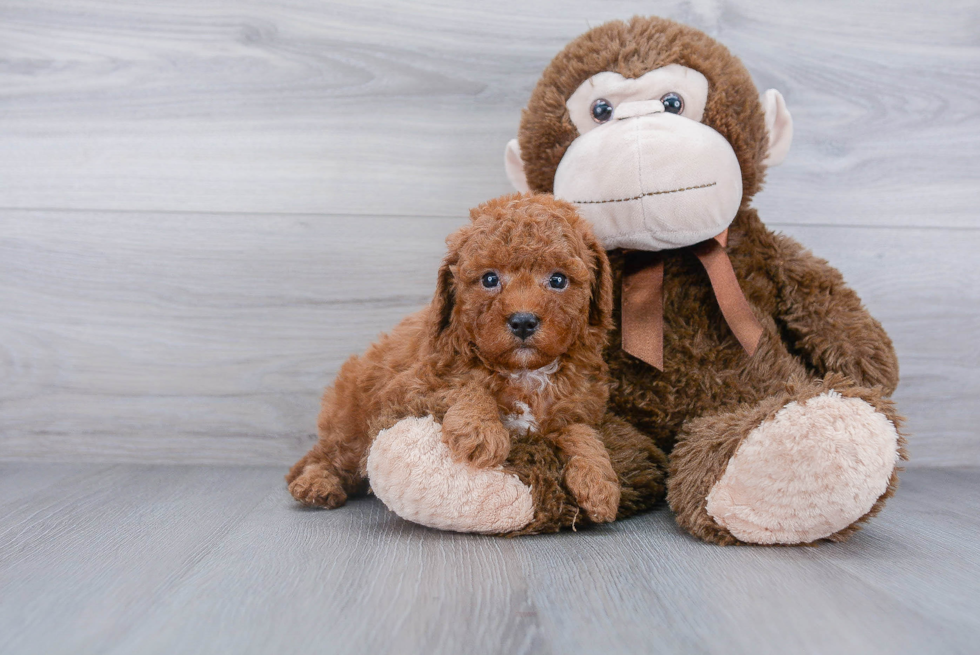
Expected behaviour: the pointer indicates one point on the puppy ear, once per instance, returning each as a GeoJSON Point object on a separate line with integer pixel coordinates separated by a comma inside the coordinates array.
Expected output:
{"type": "Point", "coordinates": [441, 309]}
{"type": "Point", "coordinates": [600, 309]}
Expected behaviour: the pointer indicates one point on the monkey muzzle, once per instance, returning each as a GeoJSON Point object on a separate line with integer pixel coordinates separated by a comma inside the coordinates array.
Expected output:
{"type": "Point", "coordinates": [651, 180]}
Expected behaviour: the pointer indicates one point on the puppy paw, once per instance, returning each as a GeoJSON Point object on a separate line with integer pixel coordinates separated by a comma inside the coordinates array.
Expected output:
{"type": "Point", "coordinates": [483, 444]}
{"type": "Point", "coordinates": [318, 487]}
{"type": "Point", "coordinates": [595, 489]}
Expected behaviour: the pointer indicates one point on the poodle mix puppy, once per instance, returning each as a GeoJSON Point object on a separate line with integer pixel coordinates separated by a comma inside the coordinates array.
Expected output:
{"type": "Point", "coordinates": [510, 347]}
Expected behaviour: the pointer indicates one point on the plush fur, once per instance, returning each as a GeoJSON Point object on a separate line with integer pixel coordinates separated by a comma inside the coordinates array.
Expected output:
{"type": "Point", "coordinates": [710, 395]}
{"type": "Point", "coordinates": [459, 362]}
{"type": "Point", "coordinates": [414, 474]}
{"type": "Point", "coordinates": [640, 467]}
{"type": "Point", "coordinates": [849, 448]}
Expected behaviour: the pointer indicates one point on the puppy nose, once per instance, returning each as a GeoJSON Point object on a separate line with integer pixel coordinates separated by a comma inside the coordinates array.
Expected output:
{"type": "Point", "coordinates": [523, 324]}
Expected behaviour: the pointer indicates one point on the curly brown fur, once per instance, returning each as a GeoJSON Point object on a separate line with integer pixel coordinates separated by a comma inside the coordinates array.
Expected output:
{"type": "Point", "coordinates": [588, 472]}
{"type": "Point", "coordinates": [459, 361]}
{"type": "Point", "coordinates": [640, 467]}
{"type": "Point", "coordinates": [815, 327]}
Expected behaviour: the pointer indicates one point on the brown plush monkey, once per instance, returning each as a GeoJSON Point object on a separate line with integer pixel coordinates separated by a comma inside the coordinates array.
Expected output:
{"type": "Point", "coordinates": [735, 349]}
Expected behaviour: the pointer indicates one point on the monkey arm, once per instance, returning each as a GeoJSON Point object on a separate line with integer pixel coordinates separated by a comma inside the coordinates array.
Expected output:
{"type": "Point", "coordinates": [825, 322]}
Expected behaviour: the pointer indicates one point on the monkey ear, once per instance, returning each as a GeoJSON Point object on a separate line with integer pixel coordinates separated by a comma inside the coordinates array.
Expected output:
{"type": "Point", "coordinates": [514, 166]}
{"type": "Point", "coordinates": [779, 125]}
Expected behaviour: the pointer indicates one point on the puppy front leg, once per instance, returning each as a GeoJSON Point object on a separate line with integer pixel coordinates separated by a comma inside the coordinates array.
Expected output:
{"type": "Point", "coordinates": [589, 474]}
{"type": "Point", "coordinates": [472, 429]}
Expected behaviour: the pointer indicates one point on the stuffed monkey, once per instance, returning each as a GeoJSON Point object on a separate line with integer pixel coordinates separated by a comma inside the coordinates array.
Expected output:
{"type": "Point", "coordinates": [735, 350]}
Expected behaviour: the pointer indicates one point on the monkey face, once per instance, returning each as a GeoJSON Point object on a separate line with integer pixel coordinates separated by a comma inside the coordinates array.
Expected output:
{"type": "Point", "coordinates": [645, 171]}
{"type": "Point", "coordinates": [653, 129]}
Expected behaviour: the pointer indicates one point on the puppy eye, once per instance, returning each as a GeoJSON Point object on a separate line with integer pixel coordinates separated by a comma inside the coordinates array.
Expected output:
{"type": "Point", "coordinates": [491, 280]}
{"type": "Point", "coordinates": [558, 281]}
{"type": "Point", "coordinates": [602, 110]}
{"type": "Point", "coordinates": [673, 103]}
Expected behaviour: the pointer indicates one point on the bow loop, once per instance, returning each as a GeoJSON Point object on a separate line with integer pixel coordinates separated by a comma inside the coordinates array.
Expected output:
{"type": "Point", "coordinates": [643, 300]}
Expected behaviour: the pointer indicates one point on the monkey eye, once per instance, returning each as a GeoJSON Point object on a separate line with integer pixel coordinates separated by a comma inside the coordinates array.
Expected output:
{"type": "Point", "coordinates": [490, 280]}
{"type": "Point", "coordinates": [602, 110]}
{"type": "Point", "coordinates": [558, 281]}
{"type": "Point", "coordinates": [673, 103]}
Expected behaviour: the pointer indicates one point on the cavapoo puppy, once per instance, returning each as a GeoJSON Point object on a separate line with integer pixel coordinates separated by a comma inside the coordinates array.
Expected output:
{"type": "Point", "coordinates": [510, 345]}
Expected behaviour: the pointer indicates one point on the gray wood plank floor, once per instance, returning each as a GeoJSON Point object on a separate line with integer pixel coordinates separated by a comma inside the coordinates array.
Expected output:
{"type": "Point", "coordinates": [198, 559]}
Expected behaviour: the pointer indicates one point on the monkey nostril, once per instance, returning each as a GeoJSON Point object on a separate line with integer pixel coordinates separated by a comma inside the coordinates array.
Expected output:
{"type": "Point", "coordinates": [523, 324]}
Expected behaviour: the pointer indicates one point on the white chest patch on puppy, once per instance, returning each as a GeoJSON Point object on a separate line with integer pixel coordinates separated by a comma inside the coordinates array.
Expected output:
{"type": "Point", "coordinates": [536, 380]}
{"type": "Point", "coordinates": [522, 423]}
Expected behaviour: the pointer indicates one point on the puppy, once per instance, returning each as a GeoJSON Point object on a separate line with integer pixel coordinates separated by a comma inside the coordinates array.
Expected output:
{"type": "Point", "coordinates": [511, 343]}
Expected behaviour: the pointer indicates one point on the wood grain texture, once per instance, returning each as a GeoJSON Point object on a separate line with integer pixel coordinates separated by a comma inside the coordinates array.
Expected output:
{"type": "Point", "coordinates": [82, 558]}
{"type": "Point", "coordinates": [158, 337]}
{"type": "Point", "coordinates": [928, 572]}
{"type": "Point", "coordinates": [206, 206]}
{"type": "Point", "coordinates": [157, 559]}
{"type": "Point", "coordinates": [401, 107]}
{"type": "Point", "coordinates": [209, 338]}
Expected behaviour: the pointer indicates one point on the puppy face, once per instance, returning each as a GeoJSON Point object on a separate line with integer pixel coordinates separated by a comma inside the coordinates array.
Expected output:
{"type": "Point", "coordinates": [524, 283]}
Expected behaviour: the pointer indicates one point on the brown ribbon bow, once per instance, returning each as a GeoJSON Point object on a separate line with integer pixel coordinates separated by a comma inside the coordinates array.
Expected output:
{"type": "Point", "coordinates": [643, 300]}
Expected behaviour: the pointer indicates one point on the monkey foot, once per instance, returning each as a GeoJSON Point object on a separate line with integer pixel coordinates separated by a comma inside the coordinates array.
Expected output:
{"type": "Point", "coordinates": [812, 470]}
{"type": "Point", "coordinates": [413, 473]}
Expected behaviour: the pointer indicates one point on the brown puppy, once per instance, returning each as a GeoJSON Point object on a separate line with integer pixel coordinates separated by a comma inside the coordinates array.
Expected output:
{"type": "Point", "coordinates": [511, 344]}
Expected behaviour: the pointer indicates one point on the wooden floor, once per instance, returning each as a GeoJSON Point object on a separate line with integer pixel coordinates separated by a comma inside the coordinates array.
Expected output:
{"type": "Point", "coordinates": [187, 559]}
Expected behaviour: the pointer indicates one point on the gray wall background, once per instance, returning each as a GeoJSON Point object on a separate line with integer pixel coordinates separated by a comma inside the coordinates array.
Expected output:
{"type": "Point", "coordinates": [206, 206]}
